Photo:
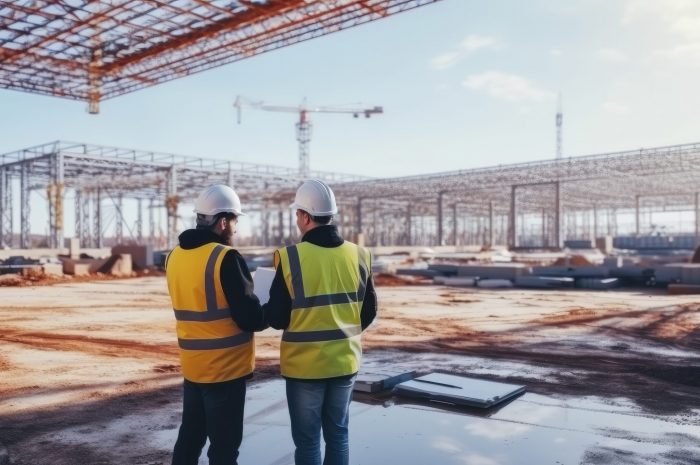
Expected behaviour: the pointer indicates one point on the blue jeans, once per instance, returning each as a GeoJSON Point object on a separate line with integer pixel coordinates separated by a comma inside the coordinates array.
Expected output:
{"type": "Point", "coordinates": [213, 410]}
{"type": "Point", "coordinates": [316, 405]}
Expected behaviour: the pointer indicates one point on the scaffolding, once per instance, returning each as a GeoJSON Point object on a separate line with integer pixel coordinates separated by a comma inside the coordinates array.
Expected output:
{"type": "Point", "coordinates": [535, 204]}
{"type": "Point", "coordinates": [96, 50]}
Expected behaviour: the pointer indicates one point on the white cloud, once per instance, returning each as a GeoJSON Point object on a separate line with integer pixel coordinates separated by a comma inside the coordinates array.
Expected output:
{"type": "Point", "coordinates": [555, 52]}
{"type": "Point", "coordinates": [472, 43]}
{"type": "Point", "coordinates": [446, 60]}
{"type": "Point", "coordinates": [687, 53]}
{"type": "Point", "coordinates": [612, 55]}
{"type": "Point", "coordinates": [615, 108]}
{"type": "Point", "coordinates": [469, 45]}
{"type": "Point", "coordinates": [681, 17]}
{"type": "Point", "coordinates": [476, 459]}
{"type": "Point", "coordinates": [506, 87]}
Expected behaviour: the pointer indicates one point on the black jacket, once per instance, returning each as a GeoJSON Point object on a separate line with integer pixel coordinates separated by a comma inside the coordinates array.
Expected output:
{"type": "Point", "coordinates": [236, 281]}
{"type": "Point", "coordinates": [279, 308]}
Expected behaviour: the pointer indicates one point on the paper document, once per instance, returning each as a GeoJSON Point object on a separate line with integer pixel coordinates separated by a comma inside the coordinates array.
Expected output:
{"type": "Point", "coordinates": [262, 280]}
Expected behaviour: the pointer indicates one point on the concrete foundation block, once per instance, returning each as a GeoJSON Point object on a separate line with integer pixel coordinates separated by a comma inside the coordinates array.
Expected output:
{"type": "Point", "coordinates": [595, 283]}
{"type": "Point", "coordinates": [141, 255]}
{"type": "Point", "coordinates": [507, 271]}
{"type": "Point", "coordinates": [544, 282]}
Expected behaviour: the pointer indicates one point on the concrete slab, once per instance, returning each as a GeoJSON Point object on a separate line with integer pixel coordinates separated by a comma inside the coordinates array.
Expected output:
{"type": "Point", "coordinates": [455, 281]}
{"type": "Point", "coordinates": [495, 271]}
{"type": "Point", "coordinates": [544, 282]}
{"type": "Point", "coordinates": [597, 283]}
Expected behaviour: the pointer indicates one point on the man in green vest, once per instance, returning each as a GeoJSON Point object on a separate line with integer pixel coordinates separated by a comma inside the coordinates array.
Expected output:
{"type": "Point", "coordinates": [216, 312]}
{"type": "Point", "coordinates": [323, 297]}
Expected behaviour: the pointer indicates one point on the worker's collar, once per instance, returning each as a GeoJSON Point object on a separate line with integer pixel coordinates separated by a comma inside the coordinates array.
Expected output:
{"type": "Point", "coordinates": [193, 238]}
{"type": "Point", "coordinates": [324, 236]}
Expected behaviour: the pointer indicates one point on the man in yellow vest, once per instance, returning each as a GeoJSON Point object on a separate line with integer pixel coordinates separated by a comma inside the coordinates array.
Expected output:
{"type": "Point", "coordinates": [323, 297]}
{"type": "Point", "coordinates": [216, 312]}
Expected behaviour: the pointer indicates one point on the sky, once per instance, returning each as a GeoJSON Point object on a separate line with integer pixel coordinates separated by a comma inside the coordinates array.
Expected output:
{"type": "Point", "coordinates": [463, 83]}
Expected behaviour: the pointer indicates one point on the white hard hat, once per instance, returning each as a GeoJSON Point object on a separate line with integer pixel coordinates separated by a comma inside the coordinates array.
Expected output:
{"type": "Point", "coordinates": [218, 199]}
{"type": "Point", "coordinates": [315, 198]}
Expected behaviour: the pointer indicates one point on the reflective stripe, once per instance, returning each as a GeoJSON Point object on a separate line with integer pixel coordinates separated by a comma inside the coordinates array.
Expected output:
{"type": "Point", "coordinates": [209, 286]}
{"type": "Point", "coordinates": [326, 335]}
{"type": "Point", "coordinates": [301, 301]}
{"type": "Point", "coordinates": [210, 344]}
{"type": "Point", "coordinates": [330, 299]}
{"type": "Point", "coordinates": [295, 270]}
{"type": "Point", "coordinates": [195, 315]}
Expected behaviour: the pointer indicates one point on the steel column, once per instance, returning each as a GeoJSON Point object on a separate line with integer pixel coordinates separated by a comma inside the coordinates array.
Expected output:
{"type": "Point", "coordinates": [697, 218]}
{"type": "Point", "coordinates": [151, 221]}
{"type": "Point", "coordinates": [439, 218]}
{"type": "Point", "coordinates": [86, 238]}
{"type": "Point", "coordinates": [119, 220]}
{"type": "Point", "coordinates": [636, 214]}
{"type": "Point", "coordinates": [139, 220]}
{"type": "Point", "coordinates": [5, 209]}
{"type": "Point", "coordinates": [557, 215]}
{"type": "Point", "coordinates": [78, 216]}
{"type": "Point", "coordinates": [408, 225]}
{"type": "Point", "coordinates": [24, 210]}
{"type": "Point", "coordinates": [171, 203]}
{"type": "Point", "coordinates": [454, 224]}
{"type": "Point", "coordinates": [512, 223]}
{"type": "Point", "coordinates": [97, 231]}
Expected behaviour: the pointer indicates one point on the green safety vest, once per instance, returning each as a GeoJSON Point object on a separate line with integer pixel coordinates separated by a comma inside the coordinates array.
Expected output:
{"type": "Point", "coordinates": [327, 287]}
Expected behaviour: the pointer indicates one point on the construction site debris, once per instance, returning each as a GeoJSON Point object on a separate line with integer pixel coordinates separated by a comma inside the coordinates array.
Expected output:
{"type": "Point", "coordinates": [572, 260]}
{"type": "Point", "coordinates": [682, 289]}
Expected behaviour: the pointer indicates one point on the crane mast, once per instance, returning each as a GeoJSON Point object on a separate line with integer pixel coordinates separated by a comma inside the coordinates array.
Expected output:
{"type": "Point", "coordinates": [303, 125]}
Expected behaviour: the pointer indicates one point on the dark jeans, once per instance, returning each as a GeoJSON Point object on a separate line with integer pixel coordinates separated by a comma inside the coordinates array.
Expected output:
{"type": "Point", "coordinates": [315, 406]}
{"type": "Point", "coordinates": [213, 410]}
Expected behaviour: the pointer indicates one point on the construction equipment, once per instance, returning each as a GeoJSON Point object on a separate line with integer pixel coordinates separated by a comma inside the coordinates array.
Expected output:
{"type": "Point", "coordinates": [304, 124]}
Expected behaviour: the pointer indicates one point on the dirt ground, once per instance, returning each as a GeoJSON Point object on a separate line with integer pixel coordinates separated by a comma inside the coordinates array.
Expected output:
{"type": "Point", "coordinates": [75, 354]}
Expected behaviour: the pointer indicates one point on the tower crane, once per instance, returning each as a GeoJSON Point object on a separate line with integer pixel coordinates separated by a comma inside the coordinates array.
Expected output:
{"type": "Point", "coordinates": [304, 124]}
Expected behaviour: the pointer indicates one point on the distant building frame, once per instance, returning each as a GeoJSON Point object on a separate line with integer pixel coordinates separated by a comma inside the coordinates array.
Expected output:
{"type": "Point", "coordinates": [528, 204]}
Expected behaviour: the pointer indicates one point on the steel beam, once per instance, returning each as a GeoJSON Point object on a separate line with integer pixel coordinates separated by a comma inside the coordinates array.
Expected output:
{"type": "Point", "coordinates": [24, 209]}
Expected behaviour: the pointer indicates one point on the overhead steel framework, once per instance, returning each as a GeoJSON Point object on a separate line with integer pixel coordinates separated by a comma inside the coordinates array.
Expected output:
{"type": "Point", "coordinates": [528, 204]}
{"type": "Point", "coordinates": [95, 50]}
{"type": "Point", "coordinates": [99, 176]}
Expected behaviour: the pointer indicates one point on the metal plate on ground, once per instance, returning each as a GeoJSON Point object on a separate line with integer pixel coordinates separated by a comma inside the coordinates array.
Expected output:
{"type": "Point", "coordinates": [459, 390]}
{"type": "Point", "coordinates": [380, 380]}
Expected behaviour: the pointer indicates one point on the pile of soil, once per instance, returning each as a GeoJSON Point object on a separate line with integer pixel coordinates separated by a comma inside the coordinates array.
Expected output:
{"type": "Point", "coordinates": [574, 260]}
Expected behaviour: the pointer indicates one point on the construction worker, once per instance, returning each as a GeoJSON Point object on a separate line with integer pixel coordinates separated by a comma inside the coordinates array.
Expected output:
{"type": "Point", "coordinates": [323, 297]}
{"type": "Point", "coordinates": [216, 312]}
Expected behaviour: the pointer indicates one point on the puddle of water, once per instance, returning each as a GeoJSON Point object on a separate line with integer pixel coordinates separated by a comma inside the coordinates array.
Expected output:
{"type": "Point", "coordinates": [531, 429]}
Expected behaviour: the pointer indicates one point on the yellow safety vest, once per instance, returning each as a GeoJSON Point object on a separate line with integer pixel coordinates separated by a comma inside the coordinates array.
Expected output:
{"type": "Point", "coordinates": [327, 287]}
{"type": "Point", "coordinates": [212, 347]}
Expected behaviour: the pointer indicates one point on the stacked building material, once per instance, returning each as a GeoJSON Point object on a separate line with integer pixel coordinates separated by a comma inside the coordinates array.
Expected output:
{"type": "Point", "coordinates": [495, 271]}
{"type": "Point", "coordinates": [597, 283]}
{"type": "Point", "coordinates": [572, 271]}
{"type": "Point", "coordinates": [544, 282]}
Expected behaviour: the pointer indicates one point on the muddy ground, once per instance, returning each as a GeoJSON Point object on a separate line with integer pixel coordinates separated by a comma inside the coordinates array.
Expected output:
{"type": "Point", "coordinates": [74, 355]}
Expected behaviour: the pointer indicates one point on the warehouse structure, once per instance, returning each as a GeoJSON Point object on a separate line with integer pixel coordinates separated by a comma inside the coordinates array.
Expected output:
{"type": "Point", "coordinates": [536, 204]}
